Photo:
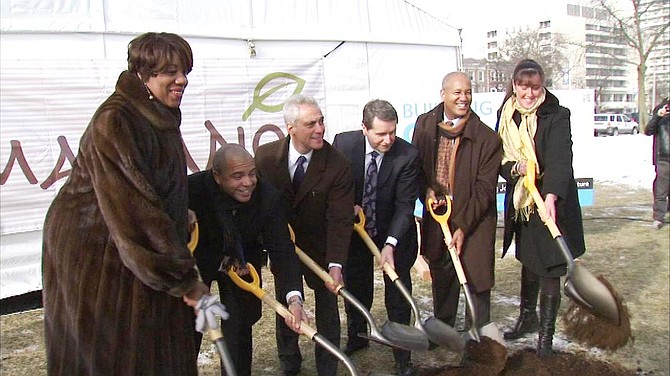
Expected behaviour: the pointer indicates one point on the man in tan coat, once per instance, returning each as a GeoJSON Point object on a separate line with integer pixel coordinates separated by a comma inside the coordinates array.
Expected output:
{"type": "Point", "coordinates": [460, 157]}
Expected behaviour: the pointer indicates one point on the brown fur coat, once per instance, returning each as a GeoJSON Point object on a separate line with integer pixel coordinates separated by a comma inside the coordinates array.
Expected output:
{"type": "Point", "coordinates": [115, 261]}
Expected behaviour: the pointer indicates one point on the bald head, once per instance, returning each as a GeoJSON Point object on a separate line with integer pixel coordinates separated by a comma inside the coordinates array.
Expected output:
{"type": "Point", "coordinates": [226, 152]}
{"type": "Point", "coordinates": [450, 77]}
{"type": "Point", "coordinates": [456, 94]}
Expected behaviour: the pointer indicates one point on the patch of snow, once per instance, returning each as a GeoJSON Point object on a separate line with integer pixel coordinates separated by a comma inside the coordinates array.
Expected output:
{"type": "Point", "coordinates": [616, 160]}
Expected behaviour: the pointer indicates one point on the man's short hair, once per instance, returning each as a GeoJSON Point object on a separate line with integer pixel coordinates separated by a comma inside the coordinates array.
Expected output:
{"type": "Point", "coordinates": [381, 109]}
{"type": "Point", "coordinates": [292, 107]}
{"type": "Point", "coordinates": [227, 151]}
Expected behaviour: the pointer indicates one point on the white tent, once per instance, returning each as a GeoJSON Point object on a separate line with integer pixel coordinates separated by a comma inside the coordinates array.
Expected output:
{"type": "Point", "coordinates": [60, 59]}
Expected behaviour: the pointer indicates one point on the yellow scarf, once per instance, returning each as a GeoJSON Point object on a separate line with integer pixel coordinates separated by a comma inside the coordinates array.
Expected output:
{"type": "Point", "coordinates": [518, 145]}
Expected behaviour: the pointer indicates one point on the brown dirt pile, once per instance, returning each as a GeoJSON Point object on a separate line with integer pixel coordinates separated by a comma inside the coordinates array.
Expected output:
{"type": "Point", "coordinates": [489, 358]}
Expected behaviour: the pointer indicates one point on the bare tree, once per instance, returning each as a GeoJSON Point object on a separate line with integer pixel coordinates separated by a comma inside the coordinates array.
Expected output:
{"type": "Point", "coordinates": [643, 40]}
{"type": "Point", "coordinates": [545, 48]}
{"type": "Point", "coordinates": [600, 82]}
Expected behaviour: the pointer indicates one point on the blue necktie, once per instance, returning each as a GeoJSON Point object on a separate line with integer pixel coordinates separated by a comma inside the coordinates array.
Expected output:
{"type": "Point", "coordinates": [370, 195]}
{"type": "Point", "coordinates": [299, 174]}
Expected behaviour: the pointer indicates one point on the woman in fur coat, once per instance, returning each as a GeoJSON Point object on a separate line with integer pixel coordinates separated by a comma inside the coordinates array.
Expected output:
{"type": "Point", "coordinates": [116, 269]}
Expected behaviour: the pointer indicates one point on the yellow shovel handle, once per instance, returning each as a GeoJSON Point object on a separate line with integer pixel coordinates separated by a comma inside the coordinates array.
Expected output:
{"type": "Point", "coordinates": [311, 264]}
{"type": "Point", "coordinates": [529, 183]}
{"type": "Point", "coordinates": [359, 227]}
{"type": "Point", "coordinates": [254, 288]}
{"type": "Point", "coordinates": [442, 219]}
{"type": "Point", "coordinates": [193, 242]}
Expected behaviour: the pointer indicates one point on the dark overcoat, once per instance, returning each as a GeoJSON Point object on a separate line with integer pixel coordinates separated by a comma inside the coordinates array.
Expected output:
{"type": "Point", "coordinates": [478, 159]}
{"type": "Point", "coordinates": [321, 212]}
{"type": "Point", "coordinates": [115, 261]}
{"type": "Point", "coordinates": [535, 246]}
{"type": "Point", "coordinates": [262, 225]}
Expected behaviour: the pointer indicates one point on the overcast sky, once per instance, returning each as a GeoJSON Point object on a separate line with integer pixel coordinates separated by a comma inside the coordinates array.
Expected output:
{"type": "Point", "coordinates": [476, 17]}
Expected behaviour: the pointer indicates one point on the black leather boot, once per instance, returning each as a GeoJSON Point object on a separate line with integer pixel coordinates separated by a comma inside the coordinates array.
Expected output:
{"type": "Point", "coordinates": [527, 321]}
{"type": "Point", "coordinates": [548, 311]}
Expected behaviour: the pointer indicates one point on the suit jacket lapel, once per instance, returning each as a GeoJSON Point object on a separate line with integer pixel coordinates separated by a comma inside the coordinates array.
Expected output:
{"type": "Point", "coordinates": [281, 168]}
{"type": "Point", "coordinates": [387, 166]}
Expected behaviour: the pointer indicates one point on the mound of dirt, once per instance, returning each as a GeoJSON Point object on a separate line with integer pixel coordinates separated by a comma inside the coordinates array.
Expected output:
{"type": "Point", "coordinates": [489, 358]}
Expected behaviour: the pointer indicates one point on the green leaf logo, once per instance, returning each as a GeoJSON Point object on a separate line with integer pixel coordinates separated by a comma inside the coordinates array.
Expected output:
{"type": "Point", "coordinates": [284, 80]}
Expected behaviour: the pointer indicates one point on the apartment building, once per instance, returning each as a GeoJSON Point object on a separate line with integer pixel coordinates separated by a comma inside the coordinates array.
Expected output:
{"type": "Point", "coordinates": [658, 64]}
{"type": "Point", "coordinates": [595, 56]}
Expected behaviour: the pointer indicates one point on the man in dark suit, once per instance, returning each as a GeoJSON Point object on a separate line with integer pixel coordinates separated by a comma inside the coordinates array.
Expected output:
{"type": "Point", "coordinates": [316, 180]}
{"type": "Point", "coordinates": [392, 225]}
{"type": "Point", "coordinates": [239, 216]}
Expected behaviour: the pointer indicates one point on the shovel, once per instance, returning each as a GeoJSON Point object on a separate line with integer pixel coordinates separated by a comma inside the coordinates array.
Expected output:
{"type": "Point", "coordinates": [391, 334]}
{"type": "Point", "coordinates": [436, 330]}
{"type": "Point", "coordinates": [580, 285]}
{"type": "Point", "coordinates": [490, 330]}
{"type": "Point", "coordinates": [214, 333]}
{"type": "Point", "coordinates": [254, 288]}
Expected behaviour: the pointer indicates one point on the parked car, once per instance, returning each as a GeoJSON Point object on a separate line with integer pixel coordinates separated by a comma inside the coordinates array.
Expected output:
{"type": "Point", "coordinates": [614, 124]}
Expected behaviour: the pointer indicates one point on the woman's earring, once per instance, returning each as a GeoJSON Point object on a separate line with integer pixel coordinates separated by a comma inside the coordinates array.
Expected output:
{"type": "Point", "coordinates": [151, 96]}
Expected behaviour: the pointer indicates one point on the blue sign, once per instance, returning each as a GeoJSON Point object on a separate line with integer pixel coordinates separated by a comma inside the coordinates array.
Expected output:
{"type": "Point", "coordinates": [584, 191]}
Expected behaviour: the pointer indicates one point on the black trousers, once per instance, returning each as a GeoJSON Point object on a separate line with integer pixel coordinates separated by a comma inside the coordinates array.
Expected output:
{"type": "Point", "coordinates": [327, 325]}
{"type": "Point", "coordinates": [244, 310]}
{"type": "Point", "coordinates": [359, 280]}
{"type": "Point", "coordinates": [661, 190]}
{"type": "Point", "coordinates": [446, 293]}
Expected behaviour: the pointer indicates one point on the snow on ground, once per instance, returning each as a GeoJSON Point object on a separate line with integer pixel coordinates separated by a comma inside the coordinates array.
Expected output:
{"type": "Point", "coordinates": [623, 159]}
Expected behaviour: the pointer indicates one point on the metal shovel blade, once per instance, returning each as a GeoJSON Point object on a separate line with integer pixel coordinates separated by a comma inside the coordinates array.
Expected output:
{"type": "Point", "coordinates": [406, 337]}
{"type": "Point", "coordinates": [580, 285]}
{"type": "Point", "coordinates": [490, 330]}
{"type": "Point", "coordinates": [391, 334]}
{"type": "Point", "coordinates": [588, 291]}
{"type": "Point", "coordinates": [437, 332]}
{"type": "Point", "coordinates": [442, 334]}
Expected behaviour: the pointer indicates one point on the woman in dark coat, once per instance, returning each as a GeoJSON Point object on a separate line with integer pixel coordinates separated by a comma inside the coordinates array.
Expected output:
{"type": "Point", "coordinates": [533, 126]}
{"type": "Point", "coordinates": [116, 268]}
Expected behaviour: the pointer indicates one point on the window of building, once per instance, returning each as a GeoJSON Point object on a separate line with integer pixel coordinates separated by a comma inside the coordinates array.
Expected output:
{"type": "Point", "coordinates": [630, 97]}
{"type": "Point", "coordinates": [545, 24]}
{"type": "Point", "coordinates": [493, 45]}
{"type": "Point", "coordinates": [481, 75]}
{"type": "Point", "coordinates": [573, 10]}
{"type": "Point", "coordinates": [602, 14]}
{"type": "Point", "coordinates": [492, 34]}
{"type": "Point", "coordinates": [588, 12]}
{"type": "Point", "coordinates": [492, 55]}
{"type": "Point", "coordinates": [591, 27]}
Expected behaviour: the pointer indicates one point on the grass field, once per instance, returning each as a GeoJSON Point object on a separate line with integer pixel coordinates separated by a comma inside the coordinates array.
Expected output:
{"type": "Point", "coordinates": [621, 246]}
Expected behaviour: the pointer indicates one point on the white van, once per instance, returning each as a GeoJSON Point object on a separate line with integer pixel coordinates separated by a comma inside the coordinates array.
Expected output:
{"type": "Point", "coordinates": [614, 124]}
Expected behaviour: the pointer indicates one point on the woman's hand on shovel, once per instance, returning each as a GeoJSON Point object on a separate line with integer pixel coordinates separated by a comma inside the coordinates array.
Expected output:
{"type": "Point", "coordinates": [192, 297]}
{"type": "Point", "coordinates": [550, 204]}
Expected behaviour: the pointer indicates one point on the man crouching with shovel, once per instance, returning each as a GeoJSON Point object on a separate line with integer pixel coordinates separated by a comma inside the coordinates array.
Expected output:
{"type": "Point", "coordinates": [239, 215]}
